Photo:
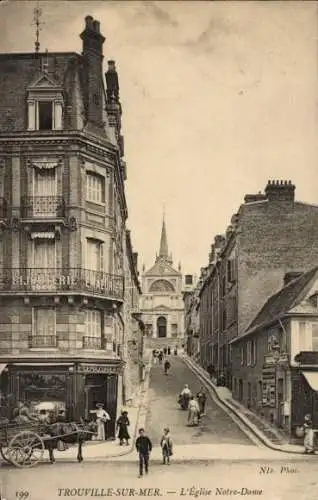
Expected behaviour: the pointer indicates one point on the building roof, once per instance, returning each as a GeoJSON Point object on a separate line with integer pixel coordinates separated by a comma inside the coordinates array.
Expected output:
{"type": "Point", "coordinates": [279, 304]}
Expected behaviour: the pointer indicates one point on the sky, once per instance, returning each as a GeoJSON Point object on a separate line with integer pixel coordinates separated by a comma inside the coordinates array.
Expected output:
{"type": "Point", "coordinates": [218, 97]}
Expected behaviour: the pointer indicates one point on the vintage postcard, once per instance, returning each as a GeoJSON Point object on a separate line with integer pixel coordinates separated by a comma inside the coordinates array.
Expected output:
{"type": "Point", "coordinates": [158, 249]}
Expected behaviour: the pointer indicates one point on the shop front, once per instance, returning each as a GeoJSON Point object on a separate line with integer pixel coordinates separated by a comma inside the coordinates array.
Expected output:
{"type": "Point", "coordinates": [79, 386]}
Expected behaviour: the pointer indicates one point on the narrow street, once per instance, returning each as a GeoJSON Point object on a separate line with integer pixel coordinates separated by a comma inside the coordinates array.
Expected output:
{"type": "Point", "coordinates": [215, 428]}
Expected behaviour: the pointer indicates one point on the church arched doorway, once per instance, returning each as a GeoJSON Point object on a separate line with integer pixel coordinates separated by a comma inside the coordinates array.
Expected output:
{"type": "Point", "coordinates": [162, 326]}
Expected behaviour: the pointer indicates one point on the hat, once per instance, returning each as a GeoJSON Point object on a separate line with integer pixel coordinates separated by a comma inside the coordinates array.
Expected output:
{"type": "Point", "coordinates": [99, 405]}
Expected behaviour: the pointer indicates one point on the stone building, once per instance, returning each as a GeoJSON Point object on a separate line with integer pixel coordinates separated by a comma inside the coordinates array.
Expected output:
{"type": "Point", "coordinates": [133, 325]}
{"type": "Point", "coordinates": [162, 306]}
{"type": "Point", "coordinates": [271, 234]}
{"type": "Point", "coordinates": [275, 362]}
{"type": "Point", "coordinates": [191, 316]}
{"type": "Point", "coordinates": [63, 215]}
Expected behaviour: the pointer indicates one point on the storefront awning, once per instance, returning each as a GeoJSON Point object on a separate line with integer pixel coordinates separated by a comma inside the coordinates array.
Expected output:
{"type": "Point", "coordinates": [2, 367]}
{"type": "Point", "coordinates": [312, 379]}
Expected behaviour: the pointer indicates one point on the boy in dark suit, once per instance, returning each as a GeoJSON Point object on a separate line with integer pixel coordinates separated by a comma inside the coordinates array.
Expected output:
{"type": "Point", "coordinates": [143, 447]}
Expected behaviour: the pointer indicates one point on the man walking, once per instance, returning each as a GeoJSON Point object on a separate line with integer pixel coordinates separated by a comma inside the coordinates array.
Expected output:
{"type": "Point", "coordinates": [143, 447]}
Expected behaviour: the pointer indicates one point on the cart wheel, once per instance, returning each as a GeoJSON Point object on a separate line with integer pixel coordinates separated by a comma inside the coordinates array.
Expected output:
{"type": "Point", "coordinates": [25, 449]}
{"type": "Point", "coordinates": [5, 455]}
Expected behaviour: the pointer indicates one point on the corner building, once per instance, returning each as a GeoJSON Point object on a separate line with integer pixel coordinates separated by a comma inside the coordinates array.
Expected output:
{"type": "Point", "coordinates": [63, 214]}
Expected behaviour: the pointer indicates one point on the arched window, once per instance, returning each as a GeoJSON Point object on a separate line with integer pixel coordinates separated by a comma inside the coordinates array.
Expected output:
{"type": "Point", "coordinates": [162, 326]}
{"type": "Point", "coordinates": [161, 286]}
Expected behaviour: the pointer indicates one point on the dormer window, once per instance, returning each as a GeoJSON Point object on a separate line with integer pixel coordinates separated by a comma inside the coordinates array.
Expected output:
{"type": "Point", "coordinates": [45, 115]}
{"type": "Point", "coordinates": [45, 105]}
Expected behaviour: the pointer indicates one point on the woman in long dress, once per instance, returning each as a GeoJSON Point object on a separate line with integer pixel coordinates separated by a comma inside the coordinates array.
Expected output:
{"type": "Point", "coordinates": [102, 418]}
{"type": "Point", "coordinates": [194, 412]}
{"type": "Point", "coordinates": [122, 426]}
{"type": "Point", "coordinates": [309, 436]}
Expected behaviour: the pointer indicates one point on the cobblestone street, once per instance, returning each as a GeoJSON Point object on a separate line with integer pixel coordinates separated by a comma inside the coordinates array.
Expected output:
{"type": "Point", "coordinates": [216, 427]}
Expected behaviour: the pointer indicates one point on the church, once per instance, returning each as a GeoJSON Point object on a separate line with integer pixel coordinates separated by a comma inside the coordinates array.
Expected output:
{"type": "Point", "coordinates": [162, 305]}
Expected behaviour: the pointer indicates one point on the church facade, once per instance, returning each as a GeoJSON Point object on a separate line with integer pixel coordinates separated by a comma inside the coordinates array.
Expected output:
{"type": "Point", "coordinates": [162, 304]}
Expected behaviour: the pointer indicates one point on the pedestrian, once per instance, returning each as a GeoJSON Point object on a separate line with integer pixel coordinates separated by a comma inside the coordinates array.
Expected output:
{"type": "Point", "coordinates": [309, 436]}
{"type": "Point", "coordinates": [194, 412]}
{"type": "Point", "coordinates": [201, 397]}
{"type": "Point", "coordinates": [167, 367]}
{"type": "Point", "coordinates": [175, 351]}
{"type": "Point", "coordinates": [143, 447]}
{"type": "Point", "coordinates": [211, 371]}
{"type": "Point", "coordinates": [160, 357]}
{"type": "Point", "coordinates": [169, 351]}
{"type": "Point", "coordinates": [165, 351]}
{"type": "Point", "coordinates": [102, 418]}
{"type": "Point", "coordinates": [166, 446]}
{"type": "Point", "coordinates": [122, 426]}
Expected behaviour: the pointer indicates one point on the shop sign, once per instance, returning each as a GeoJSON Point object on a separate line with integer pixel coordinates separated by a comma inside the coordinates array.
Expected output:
{"type": "Point", "coordinates": [102, 369]}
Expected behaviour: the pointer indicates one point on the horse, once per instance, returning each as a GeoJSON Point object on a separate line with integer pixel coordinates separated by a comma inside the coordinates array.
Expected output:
{"type": "Point", "coordinates": [57, 433]}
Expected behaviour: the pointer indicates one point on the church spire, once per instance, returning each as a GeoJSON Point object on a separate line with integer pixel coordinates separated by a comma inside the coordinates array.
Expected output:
{"type": "Point", "coordinates": [163, 250]}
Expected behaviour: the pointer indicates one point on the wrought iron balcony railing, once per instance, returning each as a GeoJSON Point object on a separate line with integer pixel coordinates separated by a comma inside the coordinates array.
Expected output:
{"type": "Point", "coordinates": [3, 208]}
{"type": "Point", "coordinates": [74, 280]}
{"type": "Point", "coordinates": [93, 343]}
{"type": "Point", "coordinates": [43, 341]}
{"type": "Point", "coordinates": [42, 206]}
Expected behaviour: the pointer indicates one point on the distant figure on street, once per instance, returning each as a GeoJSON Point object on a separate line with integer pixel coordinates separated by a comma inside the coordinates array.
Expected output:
{"type": "Point", "coordinates": [221, 380]}
{"type": "Point", "coordinates": [194, 412]}
{"type": "Point", "coordinates": [201, 397]}
{"type": "Point", "coordinates": [184, 397]}
{"type": "Point", "coordinates": [160, 357]}
{"type": "Point", "coordinates": [167, 367]}
{"type": "Point", "coordinates": [154, 355]}
{"type": "Point", "coordinates": [122, 426]}
{"type": "Point", "coordinates": [211, 371]}
{"type": "Point", "coordinates": [165, 351]}
{"type": "Point", "coordinates": [166, 446]}
{"type": "Point", "coordinates": [169, 351]}
{"type": "Point", "coordinates": [175, 352]}
{"type": "Point", "coordinates": [309, 436]}
{"type": "Point", "coordinates": [143, 447]}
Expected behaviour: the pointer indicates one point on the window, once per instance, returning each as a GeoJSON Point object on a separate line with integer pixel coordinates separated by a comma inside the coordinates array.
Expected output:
{"type": "Point", "coordinates": [44, 182]}
{"type": "Point", "coordinates": [251, 353]}
{"type": "Point", "coordinates": [93, 323]}
{"type": "Point", "coordinates": [95, 255]}
{"type": "Point", "coordinates": [43, 327]}
{"type": "Point", "coordinates": [45, 115]}
{"type": "Point", "coordinates": [242, 355]}
{"type": "Point", "coordinates": [95, 185]}
{"type": "Point", "coordinates": [44, 253]}
{"type": "Point", "coordinates": [314, 329]}
{"type": "Point", "coordinates": [231, 271]}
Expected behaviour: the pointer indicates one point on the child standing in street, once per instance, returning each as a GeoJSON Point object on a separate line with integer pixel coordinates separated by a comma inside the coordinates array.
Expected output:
{"type": "Point", "coordinates": [166, 446]}
{"type": "Point", "coordinates": [143, 447]}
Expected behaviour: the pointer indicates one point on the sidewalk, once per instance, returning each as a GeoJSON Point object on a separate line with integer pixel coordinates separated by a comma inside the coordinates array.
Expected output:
{"type": "Point", "coordinates": [268, 435]}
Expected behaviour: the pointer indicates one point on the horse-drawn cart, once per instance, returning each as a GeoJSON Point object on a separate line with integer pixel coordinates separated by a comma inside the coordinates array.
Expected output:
{"type": "Point", "coordinates": [22, 445]}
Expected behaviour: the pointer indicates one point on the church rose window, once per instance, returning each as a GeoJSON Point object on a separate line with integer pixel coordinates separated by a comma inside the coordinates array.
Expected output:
{"type": "Point", "coordinates": [161, 286]}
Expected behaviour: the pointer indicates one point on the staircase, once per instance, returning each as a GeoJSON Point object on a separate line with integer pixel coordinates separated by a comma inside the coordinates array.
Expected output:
{"type": "Point", "coordinates": [160, 343]}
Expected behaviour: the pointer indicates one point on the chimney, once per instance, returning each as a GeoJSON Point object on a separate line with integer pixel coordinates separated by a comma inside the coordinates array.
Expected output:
{"type": "Point", "coordinates": [280, 191]}
{"type": "Point", "coordinates": [291, 276]}
{"type": "Point", "coordinates": [92, 70]}
{"type": "Point", "coordinates": [113, 105]}
{"type": "Point", "coordinates": [250, 198]}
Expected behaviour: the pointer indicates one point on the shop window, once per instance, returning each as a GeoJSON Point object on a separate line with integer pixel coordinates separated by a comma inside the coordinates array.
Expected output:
{"type": "Point", "coordinates": [95, 188]}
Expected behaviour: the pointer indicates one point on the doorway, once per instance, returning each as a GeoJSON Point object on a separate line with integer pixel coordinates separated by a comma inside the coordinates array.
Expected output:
{"type": "Point", "coordinates": [162, 326]}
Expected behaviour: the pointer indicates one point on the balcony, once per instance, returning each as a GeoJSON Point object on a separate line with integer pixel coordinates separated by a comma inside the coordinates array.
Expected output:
{"type": "Point", "coordinates": [93, 343]}
{"type": "Point", "coordinates": [60, 281]}
{"type": "Point", "coordinates": [42, 207]}
{"type": "Point", "coordinates": [42, 341]}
